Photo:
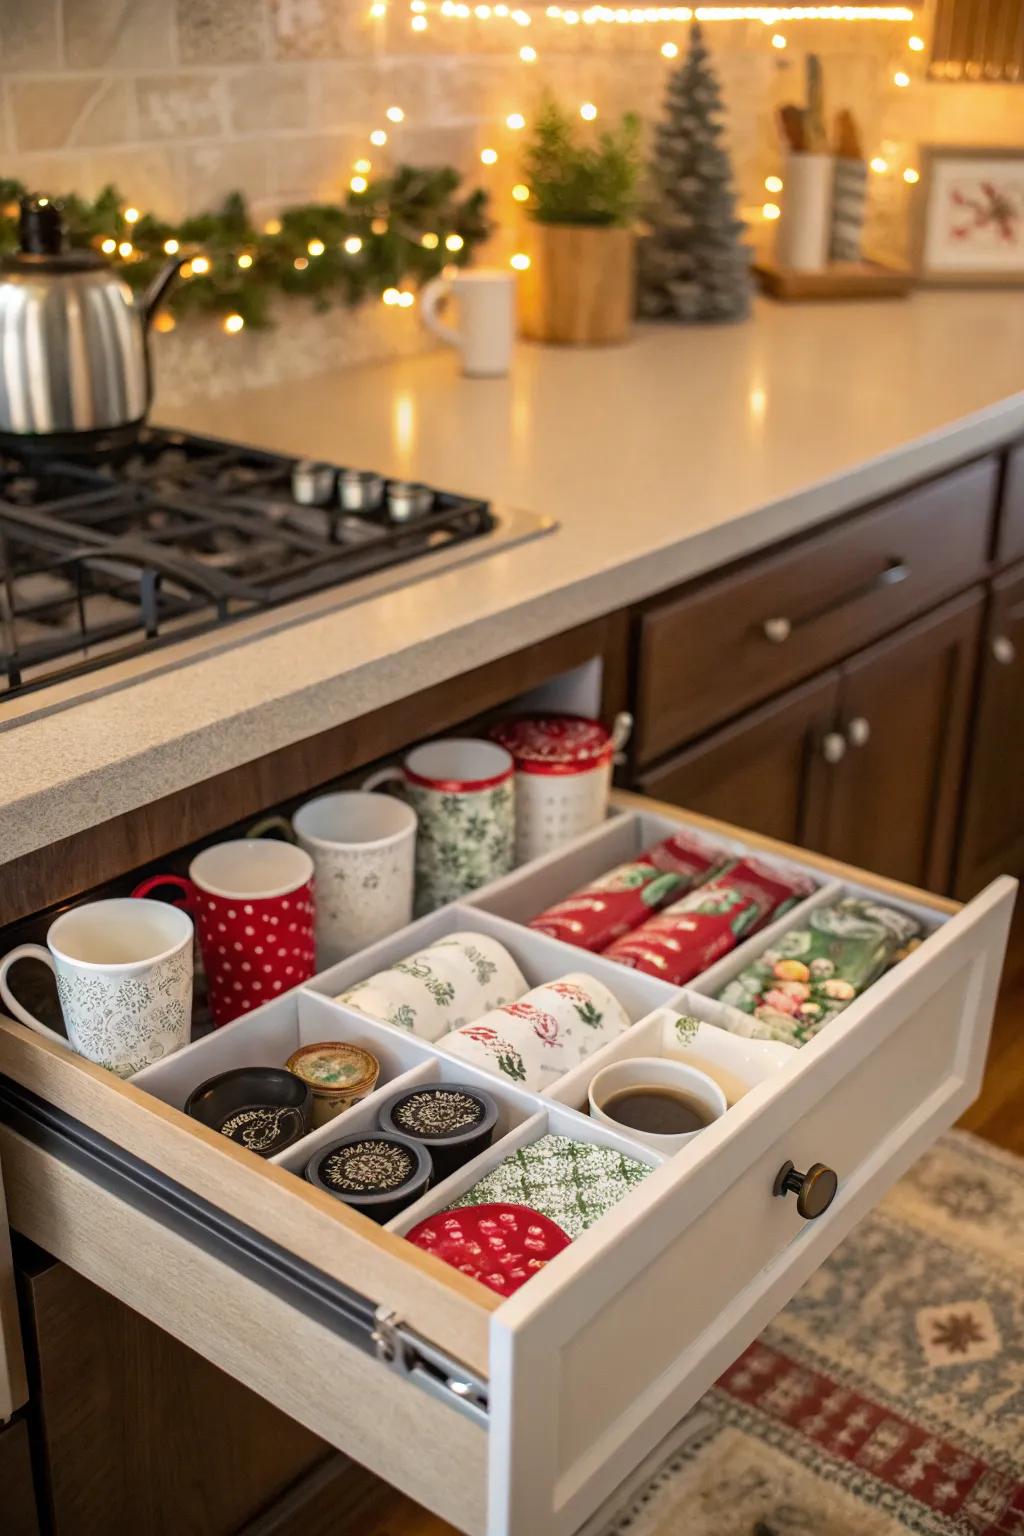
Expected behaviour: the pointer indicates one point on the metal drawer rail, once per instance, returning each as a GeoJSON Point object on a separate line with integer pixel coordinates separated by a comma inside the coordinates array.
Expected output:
{"type": "Point", "coordinates": [353, 1317]}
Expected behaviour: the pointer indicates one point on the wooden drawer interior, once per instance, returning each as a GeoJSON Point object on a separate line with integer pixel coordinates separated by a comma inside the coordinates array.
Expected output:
{"type": "Point", "coordinates": [578, 1392]}
{"type": "Point", "coordinates": [709, 654]}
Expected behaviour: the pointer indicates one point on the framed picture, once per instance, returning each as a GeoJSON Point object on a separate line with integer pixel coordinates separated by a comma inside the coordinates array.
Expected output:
{"type": "Point", "coordinates": [968, 217]}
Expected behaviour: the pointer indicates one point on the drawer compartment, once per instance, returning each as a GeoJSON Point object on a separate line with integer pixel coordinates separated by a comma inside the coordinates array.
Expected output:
{"type": "Point", "coordinates": [517, 1416]}
{"type": "Point", "coordinates": [709, 654]}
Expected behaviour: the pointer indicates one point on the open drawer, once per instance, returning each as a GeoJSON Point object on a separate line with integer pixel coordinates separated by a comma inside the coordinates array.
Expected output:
{"type": "Point", "coordinates": [513, 1417]}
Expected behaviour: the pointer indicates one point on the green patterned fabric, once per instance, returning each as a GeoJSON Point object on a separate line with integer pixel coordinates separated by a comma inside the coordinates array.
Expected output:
{"type": "Point", "coordinates": [572, 1182]}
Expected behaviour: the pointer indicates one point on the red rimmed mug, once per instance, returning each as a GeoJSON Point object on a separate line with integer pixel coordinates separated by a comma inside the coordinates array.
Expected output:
{"type": "Point", "coordinates": [462, 791]}
{"type": "Point", "coordinates": [252, 901]}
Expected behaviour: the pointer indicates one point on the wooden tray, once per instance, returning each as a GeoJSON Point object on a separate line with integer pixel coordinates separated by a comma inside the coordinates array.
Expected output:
{"type": "Point", "coordinates": [839, 280]}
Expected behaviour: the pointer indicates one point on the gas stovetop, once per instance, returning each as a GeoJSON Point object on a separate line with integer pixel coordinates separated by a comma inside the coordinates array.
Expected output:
{"type": "Point", "coordinates": [99, 562]}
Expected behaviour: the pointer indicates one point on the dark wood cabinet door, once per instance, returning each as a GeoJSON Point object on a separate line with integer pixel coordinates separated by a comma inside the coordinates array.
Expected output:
{"type": "Point", "coordinates": [992, 833]}
{"type": "Point", "coordinates": [17, 1496]}
{"type": "Point", "coordinates": [765, 771]}
{"type": "Point", "coordinates": [905, 707]}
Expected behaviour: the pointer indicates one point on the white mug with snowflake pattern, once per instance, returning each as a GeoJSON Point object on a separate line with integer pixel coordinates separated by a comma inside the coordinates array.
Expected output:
{"type": "Point", "coordinates": [363, 849]}
{"type": "Point", "coordinates": [124, 979]}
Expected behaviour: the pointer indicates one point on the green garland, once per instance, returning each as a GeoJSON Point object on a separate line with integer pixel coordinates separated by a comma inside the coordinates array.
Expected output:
{"type": "Point", "coordinates": [390, 220]}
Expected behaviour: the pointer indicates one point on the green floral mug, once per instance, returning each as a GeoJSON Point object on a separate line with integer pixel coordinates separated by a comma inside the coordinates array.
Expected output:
{"type": "Point", "coordinates": [462, 791]}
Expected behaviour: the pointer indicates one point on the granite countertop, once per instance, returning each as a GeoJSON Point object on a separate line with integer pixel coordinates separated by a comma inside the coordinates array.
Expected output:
{"type": "Point", "coordinates": [660, 460]}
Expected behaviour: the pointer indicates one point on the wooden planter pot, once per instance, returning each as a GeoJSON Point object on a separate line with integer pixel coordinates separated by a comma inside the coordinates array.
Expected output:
{"type": "Point", "coordinates": [579, 287]}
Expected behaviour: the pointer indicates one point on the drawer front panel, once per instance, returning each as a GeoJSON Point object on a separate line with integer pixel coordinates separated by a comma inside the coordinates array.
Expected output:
{"type": "Point", "coordinates": [706, 656]}
{"type": "Point", "coordinates": [1011, 523]}
{"type": "Point", "coordinates": [13, 1386]}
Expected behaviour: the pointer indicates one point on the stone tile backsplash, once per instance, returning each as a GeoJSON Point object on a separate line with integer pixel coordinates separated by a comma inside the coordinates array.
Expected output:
{"type": "Point", "coordinates": [181, 101]}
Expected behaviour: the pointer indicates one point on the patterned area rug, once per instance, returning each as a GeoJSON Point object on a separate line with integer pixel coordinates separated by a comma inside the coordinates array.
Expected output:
{"type": "Point", "coordinates": [887, 1397]}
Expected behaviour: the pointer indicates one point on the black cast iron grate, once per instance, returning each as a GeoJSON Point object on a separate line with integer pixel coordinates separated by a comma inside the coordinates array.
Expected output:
{"type": "Point", "coordinates": [99, 562]}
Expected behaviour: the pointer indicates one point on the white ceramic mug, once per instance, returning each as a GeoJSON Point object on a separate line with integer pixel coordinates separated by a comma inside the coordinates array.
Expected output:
{"type": "Point", "coordinates": [486, 300]}
{"type": "Point", "coordinates": [363, 850]}
{"type": "Point", "coordinates": [655, 1072]}
{"type": "Point", "coordinates": [124, 978]}
{"type": "Point", "coordinates": [463, 795]}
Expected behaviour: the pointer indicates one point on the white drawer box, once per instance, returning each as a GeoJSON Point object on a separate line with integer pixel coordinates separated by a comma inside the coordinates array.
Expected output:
{"type": "Point", "coordinates": [512, 1417]}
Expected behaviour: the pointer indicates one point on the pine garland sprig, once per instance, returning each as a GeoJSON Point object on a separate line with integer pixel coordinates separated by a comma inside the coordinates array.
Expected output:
{"type": "Point", "coordinates": [400, 232]}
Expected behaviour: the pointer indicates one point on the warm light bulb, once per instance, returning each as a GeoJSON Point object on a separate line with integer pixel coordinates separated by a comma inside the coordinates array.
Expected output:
{"type": "Point", "coordinates": [482, 12]}
{"type": "Point", "coordinates": [125, 248]}
{"type": "Point", "coordinates": [430, 241]}
{"type": "Point", "coordinates": [901, 78]}
{"type": "Point", "coordinates": [272, 227]}
{"type": "Point", "coordinates": [164, 322]}
{"type": "Point", "coordinates": [520, 261]}
{"type": "Point", "coordinates": [570, 18]}
{"type": "Point", "coordinates": [501, 10]}
{"type": "Point", "coordinates": [521, 192]}
{"type": "Point", "coordinates": [378, 137]}
{"type": "Point", "coordinates": [391, 295]}
{"type": "Point", "coordinates": [378, 226]}
{"type": "Point", "coordinates": [233, 323]}
{"type": "Point", "coordinates": [109, 245]}
{"type": "Point", "coordinates": [528, 54]}
{"type": "Point", "coordinates": [910, 176]}
{"type": "Point", "coordinates": [515, 121]}
{"type": "Point", "coordinates": [362, 167]}
{"type": "Point", "coordinates": [359, 184]}
{"type": "Point", "coordinates": [773, 183]}
{"type": "Point", "coordinates": [489, 156]}
{"type": "Point", "coordinates": [453, 242]}
{"type": "Point", "coordinates": [879, 166]}
{"type": "Point", "coordinates": [778, 41]}
{"type": "Point", "coordinates": [200, 264]}
{"type": "Point", "coordinates": [131, 215]}
{"type": "Point", "coordinates": [406, 300]}
{"type": "Point", "coordinates": [300, 263]}
{"type": "Point", "coordinates": [588, 111]}
{"type": "Point", "coordinates": [523, 19]}
{"type": "Point", "coordinates": [315, 247]}
{"type": "Point", "coordinates": [394, 115]}
{"type": "Point", "coordinates": [770, 211]}
{"type": "Point", "coordinates": [185, 270]}
{"type": "Point", "coordinates": [171, 247]}
{"type": "Point", "coordinates": [353, 245]}
{"type": "Point", "coordinates": [245, 261]}
{"type": "Point", "coordinates": [419, 24]}
{"type": "Point", "coordinates": [670, 50]}
{"type": "Point", "coordinates": [417, 5]}
{"type": "Point", "coordinates": [378, 9]}
{"type": "Point", "coordinates": [915, 44]}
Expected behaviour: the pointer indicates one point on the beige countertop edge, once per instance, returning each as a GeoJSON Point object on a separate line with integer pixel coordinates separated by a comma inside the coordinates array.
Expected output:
{"type": "Point", "coordinates": [75, 767]}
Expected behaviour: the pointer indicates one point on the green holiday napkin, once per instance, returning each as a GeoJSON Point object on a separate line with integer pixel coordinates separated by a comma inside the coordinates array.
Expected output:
{"type": "Point", "coordinates": [572, 1182]}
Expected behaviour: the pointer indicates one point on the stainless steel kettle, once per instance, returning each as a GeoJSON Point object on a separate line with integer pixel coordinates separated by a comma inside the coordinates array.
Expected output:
{"type": "Point", "coordinates": [74, 365]}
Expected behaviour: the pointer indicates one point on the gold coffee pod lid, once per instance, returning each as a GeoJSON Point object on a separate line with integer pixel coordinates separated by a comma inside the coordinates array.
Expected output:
{"type": "Point", "coordinates": [335, 1066]}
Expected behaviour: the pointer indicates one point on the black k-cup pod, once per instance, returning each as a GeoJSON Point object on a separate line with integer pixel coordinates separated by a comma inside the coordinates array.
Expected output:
{"type": "Point", "coordinates": [453, 1121]}
{"type": "Point", "coordinates": [262, 1108]}
{"type": "Point", "coordinates": [376, 1173]}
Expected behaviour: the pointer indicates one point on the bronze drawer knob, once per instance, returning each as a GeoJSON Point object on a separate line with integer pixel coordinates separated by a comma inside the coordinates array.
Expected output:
{"type": "Point", "coordinates": [815, 1190]}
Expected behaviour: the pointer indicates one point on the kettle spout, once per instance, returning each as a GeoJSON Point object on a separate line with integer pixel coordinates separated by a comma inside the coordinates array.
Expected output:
{"type": "Point", "coordinates": [154, 294]}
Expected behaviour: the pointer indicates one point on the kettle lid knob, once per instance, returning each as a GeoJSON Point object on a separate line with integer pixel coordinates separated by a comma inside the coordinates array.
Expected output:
{"type": "Point", "coordinates": [41, 226]}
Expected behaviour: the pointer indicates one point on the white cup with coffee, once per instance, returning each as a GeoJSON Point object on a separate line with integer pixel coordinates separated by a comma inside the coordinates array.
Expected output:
{"type": "Point", "coordinates": [663, 1104]}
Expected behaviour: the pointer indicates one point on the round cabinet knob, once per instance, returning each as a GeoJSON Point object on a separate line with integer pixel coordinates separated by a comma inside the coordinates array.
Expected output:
{"type": "Point", "coordinates": [833, 747]}
{"type": "Point", "coordinates": [1004, 650]}
{"type": "Point", "coordinates": [815, 1190]}
{"type": "Point", "coordinates": [858, 732]}
{"type": "Point", "coordinates": [777, 630]}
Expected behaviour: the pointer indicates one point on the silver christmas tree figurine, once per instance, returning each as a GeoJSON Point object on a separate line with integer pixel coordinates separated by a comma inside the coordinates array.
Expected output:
{"type": "Point", "coordinates": [693, 264]}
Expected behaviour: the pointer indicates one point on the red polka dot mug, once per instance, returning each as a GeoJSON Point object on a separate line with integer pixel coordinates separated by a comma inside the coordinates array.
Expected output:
{"type": "Point", "coordinates": [252, 901]}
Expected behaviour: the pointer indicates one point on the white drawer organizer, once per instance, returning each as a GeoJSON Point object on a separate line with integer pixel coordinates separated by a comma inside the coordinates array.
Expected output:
{"type": "Point", "coordinates": [512, 1417]}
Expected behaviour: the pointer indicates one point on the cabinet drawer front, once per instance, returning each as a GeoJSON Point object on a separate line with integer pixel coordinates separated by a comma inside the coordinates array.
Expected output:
{"type": "Point", "coordinates": [1011, 521]}
{"type": "Point", "coordinates": [709, 654]}
{"type": "Point", "coordinates": [13, 1386]}
{"type": "Point", "coordinates": [592, 1362]}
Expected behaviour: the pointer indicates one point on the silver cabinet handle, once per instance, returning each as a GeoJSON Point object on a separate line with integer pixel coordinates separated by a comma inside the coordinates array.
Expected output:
{"type": "Point", "coordinates": [1004, 651]}
{"type": "Point", "coordinates": [892, 574]}
{"type": "Point", "coordinates": [833, 747]}
{"type": "Point", "coordinates": [777, 630]}
{"type": "Point", "coordinates": [858, 732]}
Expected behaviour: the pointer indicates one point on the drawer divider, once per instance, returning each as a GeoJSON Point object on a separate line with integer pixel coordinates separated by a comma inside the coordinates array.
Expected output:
{"type": "Point", "coordinates": [355, 1318]}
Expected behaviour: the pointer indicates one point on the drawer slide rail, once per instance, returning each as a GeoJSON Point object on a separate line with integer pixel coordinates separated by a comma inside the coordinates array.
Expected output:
{"type": "Point", "coordinates": [347, 1313]}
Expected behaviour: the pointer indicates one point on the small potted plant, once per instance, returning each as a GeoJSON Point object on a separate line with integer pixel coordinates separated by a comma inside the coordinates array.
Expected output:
{"type": "Point", "coordinates": [583, 192]}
